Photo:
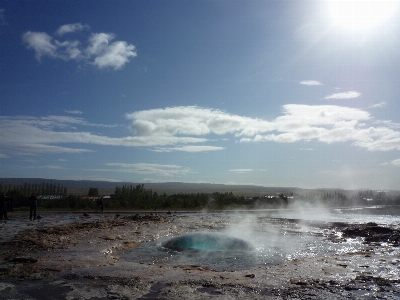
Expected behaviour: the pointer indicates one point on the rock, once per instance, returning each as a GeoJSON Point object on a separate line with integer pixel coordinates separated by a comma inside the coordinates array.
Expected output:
{"type": "Point", "coordinates": [372, 233]}
{"type": "Point", "coordinates": [298, 281]}
{"type": "Point", "coordinates": [6, 287]}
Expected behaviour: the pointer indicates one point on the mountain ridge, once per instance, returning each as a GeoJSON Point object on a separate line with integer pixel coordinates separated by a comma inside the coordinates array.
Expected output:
{"type": "Point", "coordinates": [108, 187]}
{"type": "Point", "coordinates": [161, 187]}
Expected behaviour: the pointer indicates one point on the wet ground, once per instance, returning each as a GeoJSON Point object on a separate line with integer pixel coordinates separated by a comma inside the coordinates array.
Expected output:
{"type": "Point", "coordinates": [109, 256]}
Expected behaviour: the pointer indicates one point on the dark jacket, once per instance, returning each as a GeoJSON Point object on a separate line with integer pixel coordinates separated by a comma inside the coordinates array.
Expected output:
{"type": "Point", "coordinates": [3, 203]}
{"type": "Point", "coordinates": [32, 201]}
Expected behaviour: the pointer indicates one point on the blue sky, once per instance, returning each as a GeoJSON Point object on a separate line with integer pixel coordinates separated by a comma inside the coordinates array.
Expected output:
{"type": "Point", "coordinates": [273, 93]}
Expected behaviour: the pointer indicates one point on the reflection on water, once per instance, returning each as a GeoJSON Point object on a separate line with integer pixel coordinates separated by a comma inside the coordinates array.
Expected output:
{"type": "Point", "coordinates": [380, 214]}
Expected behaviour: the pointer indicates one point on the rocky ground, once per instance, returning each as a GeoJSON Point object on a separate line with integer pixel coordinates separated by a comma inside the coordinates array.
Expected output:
{"type": "Point", "coordinates": [84, 259]}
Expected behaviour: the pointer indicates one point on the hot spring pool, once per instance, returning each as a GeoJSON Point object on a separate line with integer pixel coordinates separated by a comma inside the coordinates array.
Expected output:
{"type": "Point", "coordinates": [222, 252]}
{"type": "Point", "coordinates": [207, 241]}
{"type": "Point", "coordinates": [237, 241]}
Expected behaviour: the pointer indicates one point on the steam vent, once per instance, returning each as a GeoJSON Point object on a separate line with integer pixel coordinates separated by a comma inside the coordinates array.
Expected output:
{"type": "Point", "coordinates": [207, 241]}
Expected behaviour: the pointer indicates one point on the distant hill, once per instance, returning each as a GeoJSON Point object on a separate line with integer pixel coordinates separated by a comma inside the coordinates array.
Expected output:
{"type": "Point", "coordinates": [108, 187]}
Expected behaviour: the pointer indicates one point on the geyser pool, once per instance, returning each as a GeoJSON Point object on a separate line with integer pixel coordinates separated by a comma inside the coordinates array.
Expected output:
{"type": "Point", "coordinates": [207, 241]}
{"type": "Point", "coordinates": [274, 240]}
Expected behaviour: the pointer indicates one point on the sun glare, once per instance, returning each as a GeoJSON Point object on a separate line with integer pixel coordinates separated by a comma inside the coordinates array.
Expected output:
{"type": "Point", "coordinates": [359, 14]}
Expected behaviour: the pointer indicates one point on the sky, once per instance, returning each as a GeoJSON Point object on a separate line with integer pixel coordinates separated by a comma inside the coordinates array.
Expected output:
{"type": "Point", "coordinates": [273, 93]}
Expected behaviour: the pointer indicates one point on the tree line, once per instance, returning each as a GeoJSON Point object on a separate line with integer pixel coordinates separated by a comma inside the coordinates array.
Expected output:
{"type": "Point", "coordinates": [18, 195]}
{"type": "Point", "coordinates": [45, 189]}
{"type": "Point", "coordinates": [127, 197]}
{"type": "Point", "coordinates": [137, 197]}
{"type": "Point", "coordinates": [52, 196]}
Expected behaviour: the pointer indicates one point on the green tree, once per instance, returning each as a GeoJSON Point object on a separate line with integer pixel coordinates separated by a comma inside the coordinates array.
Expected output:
{"type": "Point", "coordinates": [93, 192]}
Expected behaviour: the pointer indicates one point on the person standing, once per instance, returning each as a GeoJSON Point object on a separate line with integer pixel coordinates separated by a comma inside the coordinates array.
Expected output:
{"type": "Point", "coordinates": [3, 207]}
{"type": "Point", "coordinates": [32, 206]}
{"type": "Point", "coordinates": [101, 204]}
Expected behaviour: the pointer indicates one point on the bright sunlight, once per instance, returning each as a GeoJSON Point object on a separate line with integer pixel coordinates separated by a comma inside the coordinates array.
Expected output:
{"type": "Point", "coordinates": [359, 14]}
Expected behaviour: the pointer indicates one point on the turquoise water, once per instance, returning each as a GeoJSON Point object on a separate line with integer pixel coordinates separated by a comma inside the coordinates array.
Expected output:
{"type": "Point", "coordinates": [207, 241]}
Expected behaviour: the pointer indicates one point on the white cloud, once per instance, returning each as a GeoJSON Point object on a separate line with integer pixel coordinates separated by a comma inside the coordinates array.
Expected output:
{"type": "Point", "coordinates": [41, 42]}
{"type": "Point", "coordinates": [153, 169]}
{"type": "Point", "coordinates": [344, 95]}
{"type": "Point", "coordinates": [189, 149]}
{"type": "Point", "coordinates": [310, 82]}
{"type": "Point", "coordinates": [387, 124]}
{"type": "Point", "coordinates": [98, 42]}
{"type": "Point", "coordinates": [51, 167]}
{"type": "Point", "coordinates": [395, 162]}
{"type": "Point", "coordinates": [241, 170]}
{"type": "Point", "coordinates": [44, 167]}
{"type": "Point", "coordinates": [31, 135]}
{"type": "Point", "coordinates": [35, 148]}
{"type": "Point", "coordinates": [306, 149]}
{"type": "Point", "coordinates": [99, 51]}
{"type": "Point", "coordinates": [330, 124]}
{"type": "Point", "coordinates": [69, 50]}
{"type": "Point", "coordinates": [189, 128]}
{"type": "Point", "coordinates": [192, 120]}
{"type": "Point", "coordinates": [378, 105]}
{"type": "Point", "coordinates": [115, 55]}
{"type": "Point", "coordinates": [324, 123]}
{"type": "Point", "coordinates": [69, 28]}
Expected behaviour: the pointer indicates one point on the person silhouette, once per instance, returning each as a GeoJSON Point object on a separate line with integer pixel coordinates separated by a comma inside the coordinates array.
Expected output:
{"type": "Point", "coordinates": [3, 207]}
{"type": "Point", "coordinates": [32, 206]}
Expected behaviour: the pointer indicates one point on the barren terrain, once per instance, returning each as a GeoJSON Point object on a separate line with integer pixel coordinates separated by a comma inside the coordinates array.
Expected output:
{"type": "Point", "coordinates": [78, 257]}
